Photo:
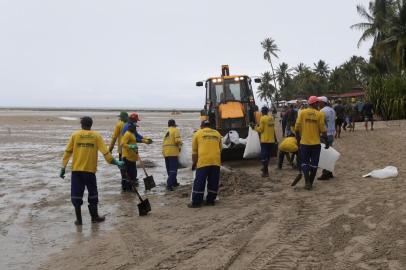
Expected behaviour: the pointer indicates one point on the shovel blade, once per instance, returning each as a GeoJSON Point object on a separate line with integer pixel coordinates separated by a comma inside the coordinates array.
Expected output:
{"type": "Point", "coordinates": [144, 207]}
{"type": "Point", "coordinates": [149, 182]}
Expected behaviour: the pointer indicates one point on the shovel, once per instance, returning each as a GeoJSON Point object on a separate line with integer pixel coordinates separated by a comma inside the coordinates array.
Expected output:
{"type": "Point", "coordinates": [144, 206]}
{"type": "Point", "coordinates": [149, 182]}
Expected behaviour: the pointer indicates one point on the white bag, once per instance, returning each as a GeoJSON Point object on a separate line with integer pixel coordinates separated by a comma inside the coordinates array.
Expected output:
{"type": "Point", "coordinates": [253, 146]}
{"type": "Point", "coordinates": [328, 158]}
{"type": "Point", "coordinates": [387, 172]}
{"type": "Point", "coordinates": [185, 157]}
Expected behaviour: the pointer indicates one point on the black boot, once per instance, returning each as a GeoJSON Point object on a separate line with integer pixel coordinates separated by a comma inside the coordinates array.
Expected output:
{"type": "Point", "coordinates": [78, 213]}
{"type": "Point", "coordinates": [94, 214]}
{"type": "Point", "coordinates": [308, 184]}
{"type": "Point", "coordinates": [265, 172]}
{"type": "Point", "coordinates": [312, 175]}
{"type": "Point", "coordinates": [324, 176]}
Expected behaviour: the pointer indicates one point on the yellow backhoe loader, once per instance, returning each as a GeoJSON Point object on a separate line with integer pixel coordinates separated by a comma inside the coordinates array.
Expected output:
{"type": "Point", "coordinates": [230, 107]}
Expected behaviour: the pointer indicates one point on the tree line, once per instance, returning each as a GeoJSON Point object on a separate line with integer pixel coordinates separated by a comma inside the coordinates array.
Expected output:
{"type": "Point", "coordinates": [382, 75]}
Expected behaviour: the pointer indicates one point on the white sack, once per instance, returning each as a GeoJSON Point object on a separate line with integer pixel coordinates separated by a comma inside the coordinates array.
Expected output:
{"type": "Point", "coordinates": [387, 172]}
{"type": "Point", "coordinates": [328, 158]}
{"type": "Point", "coordinates": [185, 157]}
{"type": "Point", "coordinates": [253, 146]}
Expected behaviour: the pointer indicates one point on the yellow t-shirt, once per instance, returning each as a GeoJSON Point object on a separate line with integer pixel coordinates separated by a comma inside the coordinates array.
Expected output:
{"type": "Point", "coordinates": [84, 144]}
{"type": "Point", "coordinates": [116, 136]}
{"type": "Point", "coordinates": [289, 145]}
{"type": "Point", "coordinates": [206, 144]}
{"type": "Point", "coordinates": [130, 154]}
{"type": "Point", "coordinates": [266, 129]}
{"type": "Point", "coordinates": [310, 124]}
{"type": "Point", "coordinates": [171, 143]}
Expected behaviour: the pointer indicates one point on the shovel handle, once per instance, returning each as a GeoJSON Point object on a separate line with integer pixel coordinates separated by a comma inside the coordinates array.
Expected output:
{"type": "Point", "coordinates": [136, 192]}
{"type": "Point", "coordinates": [142, 165]}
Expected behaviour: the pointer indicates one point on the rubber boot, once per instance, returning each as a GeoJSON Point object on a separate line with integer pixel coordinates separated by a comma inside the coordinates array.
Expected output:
{"type": "Point", "coordinates": [308, 184]}
{"type": "Point", "coordinates": [78, 213]}
{"type": "Point", "coordinates": [324, 176]}
{"type": "Point", "coordinates": [94, 214]}
{"type": "Point", "coordinates": [312, 175]}
{"type": "Point", "coordinates": [265, 172]}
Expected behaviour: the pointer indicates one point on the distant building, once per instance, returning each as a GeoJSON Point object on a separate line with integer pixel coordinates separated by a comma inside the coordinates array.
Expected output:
{"type": "Point", "coordinates": [356, 92]}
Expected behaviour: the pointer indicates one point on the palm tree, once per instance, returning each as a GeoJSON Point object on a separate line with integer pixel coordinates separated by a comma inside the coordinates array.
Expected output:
{"type": "Point", "coordinates": [266, 89]}
{"type": "Point", "coordinates": [300, 68]}
{"type": "Point", "coordinates": [374, 27]}
{"type": "Point", "coordinates": [283, 74]}
{"type": "Point", "coordinates": [270, 50]}
{"type": "Point", "coordinates": [321, 69]}
{"type": "Point", "coordinates": [396, 34]}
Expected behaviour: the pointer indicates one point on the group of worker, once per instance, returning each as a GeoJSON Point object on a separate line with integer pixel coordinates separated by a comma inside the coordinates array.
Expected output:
{"type": "Point", "coordinates": [306, 129]}
{"type": "Point", "coordinates": [85, 143]}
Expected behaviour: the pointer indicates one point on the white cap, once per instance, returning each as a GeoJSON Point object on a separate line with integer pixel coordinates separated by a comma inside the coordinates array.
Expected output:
{"type": "Point", "coordinates": [323, 99]}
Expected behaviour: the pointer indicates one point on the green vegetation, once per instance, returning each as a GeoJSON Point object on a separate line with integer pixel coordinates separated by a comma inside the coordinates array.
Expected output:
{"type": "Point", "coordinates": [382, 75]}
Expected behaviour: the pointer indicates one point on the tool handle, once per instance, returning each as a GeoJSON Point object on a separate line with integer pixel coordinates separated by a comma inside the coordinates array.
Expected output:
{"type": "Point", "coordinates": [142, 165]}
{"type": "Point", "coordinates": [136, 192]}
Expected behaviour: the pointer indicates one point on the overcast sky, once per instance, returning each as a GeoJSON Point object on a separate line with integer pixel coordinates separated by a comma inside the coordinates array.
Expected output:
{"type": "Point", "coordinates": [129, 53]}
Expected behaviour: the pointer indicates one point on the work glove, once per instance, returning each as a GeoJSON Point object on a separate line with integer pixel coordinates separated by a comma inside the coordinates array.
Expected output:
{"type": "Point", "coordinates": [326, 142]}
{"type": "Point", "coordinates": [133, 147]}
{"type": "Point", "coordinates": [62, 173]}
{"type": "Point", "coordinates": [148, 141]}
{"type": "Point", "coordinates": [120, 164]}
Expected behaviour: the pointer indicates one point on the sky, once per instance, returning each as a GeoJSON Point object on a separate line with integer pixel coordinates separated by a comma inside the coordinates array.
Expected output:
{"type": "Point", "coordinates": [149, 54]}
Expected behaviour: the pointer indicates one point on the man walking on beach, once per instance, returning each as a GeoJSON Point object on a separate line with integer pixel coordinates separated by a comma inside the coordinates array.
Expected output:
{"type": "Point", "coordinates": [206, 155]}
{"type": "Point", "coordinates": [368, 112]}
{"type": "Point", "coordinates": [310, 124]}
{"type": "Point", "coordinates": [340, 117]}
{"type": "Point", "coordinates": [329, 117]}
{"type": "Point", "coordinates": [170, 149]}
{"type": "Point", "coordinates": [84, 145]}
{"type": "Point", "coordinates": [116, 136]}
{"type": "Point", "coordinates": [266, 130]}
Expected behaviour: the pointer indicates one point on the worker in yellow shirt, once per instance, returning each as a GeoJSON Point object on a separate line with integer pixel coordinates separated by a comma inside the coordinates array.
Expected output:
{"type": "Point", "coordinates": [206, 156]}
{"type": "Point", "coordinates": [310, 124]}
{"type": "Point", "coordinates": [116, 137]}
{"type": "Point", "coordinates": [266, 130]}
{"type": "Point", "coordinates": [172, 143]}
{"type": "Point", "coordinates": [130, 156]}
{"type": "Point", "coordinates": [84, 145]}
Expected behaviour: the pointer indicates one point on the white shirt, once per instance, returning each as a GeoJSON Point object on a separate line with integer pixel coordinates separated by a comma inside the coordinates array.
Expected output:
{"type": "Point", "coordinates": [330, 118]}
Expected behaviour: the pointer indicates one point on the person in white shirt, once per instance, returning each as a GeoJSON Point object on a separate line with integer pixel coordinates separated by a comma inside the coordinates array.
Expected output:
{"type": "Point", "coordinates": [330, 118]}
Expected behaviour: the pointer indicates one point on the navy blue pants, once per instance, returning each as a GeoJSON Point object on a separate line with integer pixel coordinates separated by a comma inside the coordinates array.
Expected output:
{"type": "Point", "coordinates": [130, 174]}
{"type": "Point", "coordinates": [282, 157]}
{"type": "Point", "coordinates": [309, 157]}
{"type": "Point", "coordinates": [265, 153]}
{"type": "Point", "coordinates": [79, 181]}
{"type": "Point", "coordinates": [212, 175]}
{"type": "Point", "coordinates": [171, 164]}
{"type": "Point", "coordinates": [122, 171]}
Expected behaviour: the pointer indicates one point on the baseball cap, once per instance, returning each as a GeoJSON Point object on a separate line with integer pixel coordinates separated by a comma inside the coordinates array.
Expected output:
{"type": "Point", "coordinates": [312, 100]}
{"type": "Point", "coordinates": [134, 117]}
{"type": "Point", "coordinates": [323, 99]}
{"type": "Point", "coordinates": [123, 115]}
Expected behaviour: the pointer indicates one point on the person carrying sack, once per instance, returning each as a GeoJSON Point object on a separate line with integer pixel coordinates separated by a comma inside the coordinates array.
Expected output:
{"type": "Point", "coordinates": [172, 143]}
{"type": "Point", "coordinates": [266, 129]}
{"type": "Point", "coordinates": [309, 125]}
{"type": "Point", "coordinates": [84, 145]}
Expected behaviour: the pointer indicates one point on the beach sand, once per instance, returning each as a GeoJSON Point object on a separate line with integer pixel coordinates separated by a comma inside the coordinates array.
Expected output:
{"type": "Point", "coordinates": [348, 222]}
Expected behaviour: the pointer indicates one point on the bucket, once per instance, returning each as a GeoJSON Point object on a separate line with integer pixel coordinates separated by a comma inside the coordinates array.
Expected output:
{"type": "Point", "coordinates": [328, 158]}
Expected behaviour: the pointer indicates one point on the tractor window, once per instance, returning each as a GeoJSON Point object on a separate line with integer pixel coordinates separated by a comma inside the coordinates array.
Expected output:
{"type": "Point", "coordinates": [217, 93]}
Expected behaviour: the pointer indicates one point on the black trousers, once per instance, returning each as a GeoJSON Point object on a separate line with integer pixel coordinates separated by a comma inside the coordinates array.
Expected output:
{"type": "Point", "coordinates": [80, 181]}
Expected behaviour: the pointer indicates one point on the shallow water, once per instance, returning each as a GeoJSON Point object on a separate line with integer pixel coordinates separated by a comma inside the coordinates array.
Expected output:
{"type": "Point", "coordinates": [36, 216]}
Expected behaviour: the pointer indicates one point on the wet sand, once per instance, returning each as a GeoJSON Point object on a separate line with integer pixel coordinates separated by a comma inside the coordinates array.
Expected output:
{"type": "Point", "coordinates": [349, 222]}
